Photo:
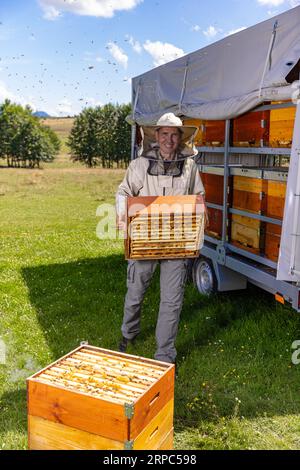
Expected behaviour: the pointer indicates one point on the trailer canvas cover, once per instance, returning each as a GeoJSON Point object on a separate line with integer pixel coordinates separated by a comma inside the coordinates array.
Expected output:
{"type": "Point", "coordinates": [225, 79]}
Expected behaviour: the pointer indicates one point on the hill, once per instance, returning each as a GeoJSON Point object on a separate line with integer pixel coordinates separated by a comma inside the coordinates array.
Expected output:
{"type": "Point", "coordinates": [41, 114]}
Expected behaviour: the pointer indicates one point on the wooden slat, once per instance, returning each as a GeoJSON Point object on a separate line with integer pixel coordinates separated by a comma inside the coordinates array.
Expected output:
{"type": "Point", "coordinates": [150, 367]}
{"type": "Point", "coordinates": [101, 384]}
{"type": "Point", "coordinates": [139, 381]}
{"type": "Point", "coordinates": [129, 372]}
{"type": "Point", "coordinates": [47, 435]}
{"type": "Point", "coordinates": [89, 390]}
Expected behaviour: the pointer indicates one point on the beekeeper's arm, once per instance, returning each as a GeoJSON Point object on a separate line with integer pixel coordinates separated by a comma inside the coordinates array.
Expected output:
{"type": "Point", "coordinates": [130, 186]}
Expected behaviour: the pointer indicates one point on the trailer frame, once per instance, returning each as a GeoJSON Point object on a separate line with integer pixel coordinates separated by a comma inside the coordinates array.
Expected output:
{"type": "Point", "coordinates": [228, 260]}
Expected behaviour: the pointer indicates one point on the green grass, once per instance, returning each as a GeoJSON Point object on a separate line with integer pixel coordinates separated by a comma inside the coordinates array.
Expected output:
{"type": "Point", "coordinates": [60, 284]}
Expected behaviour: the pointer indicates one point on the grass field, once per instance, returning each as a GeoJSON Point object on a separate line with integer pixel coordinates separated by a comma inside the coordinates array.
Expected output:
{"type": "Point", "coordinates": [60, 284]}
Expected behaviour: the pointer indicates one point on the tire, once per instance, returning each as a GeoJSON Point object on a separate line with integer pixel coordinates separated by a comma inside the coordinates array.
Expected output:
{"type": "Point", "coordinates": [204, 277]}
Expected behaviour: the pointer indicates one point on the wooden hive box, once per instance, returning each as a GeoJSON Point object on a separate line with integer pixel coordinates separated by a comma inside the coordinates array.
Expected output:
{"type": "Point", "coordinates": [282, 127]}
{"type": "Point", "coordinates": [249, 195]}
{"type": "Point", "coordinates": [164, 227]}
{"type": "Point", "coordinates": [275, 200]}
{"type": "Point", "coordinates": [215, 223]}
{"type": "Point", "coordinates": [251, 129]}
{"type": "Point", "coordinates": [213, 133]}
{"type": "Point", "coordinates": [246, 233]}
{"type": "Point", "coordinates": [93, 398]}
{"type": "Point", "coordinates": [213, 185]}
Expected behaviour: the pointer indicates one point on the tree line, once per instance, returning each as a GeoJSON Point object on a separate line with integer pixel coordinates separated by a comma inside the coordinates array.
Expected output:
{"type": "Point", "coordinates": [24, 141]}
{"type": "Point", "coordinates": [101, 136]}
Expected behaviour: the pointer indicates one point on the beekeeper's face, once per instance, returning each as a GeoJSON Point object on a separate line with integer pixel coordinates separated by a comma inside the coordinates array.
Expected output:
{"type": "Point", "coordinates": [168, 139]}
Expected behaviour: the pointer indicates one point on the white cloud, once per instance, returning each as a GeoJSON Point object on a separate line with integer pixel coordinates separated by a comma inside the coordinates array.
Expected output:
{"type": "Point", "coordinates": [211, 32]}
{"type": "Point", "coordinates": [5, 93]}
{"type": "Point", "coordinates": [118, 54]}
{"type": "Point", "coordinates": [271, 3]}
{"type": "Point", "coordinates": [276, 3]}
{"type": "Point", "coordinates": [162, 52]}
{"type": "Point", "coordinates": [196, 28]}
{"type": "Point", "coordinates": [136, 46]}
{"type": "Point", "coordinates": [99, 8]}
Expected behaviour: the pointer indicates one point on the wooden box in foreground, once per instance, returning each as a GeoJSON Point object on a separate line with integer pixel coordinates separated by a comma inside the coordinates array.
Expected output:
{"type": "Point", "coordinates": [93, 398]}
{"type": "Point", "coordinates": [164, 227]}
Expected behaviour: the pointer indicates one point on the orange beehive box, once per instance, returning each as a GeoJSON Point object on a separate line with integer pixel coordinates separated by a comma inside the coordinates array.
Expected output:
{"type": "Point", "coordinates": [248, 195]}
{"type": "Point", "coordinates": [275, 200]}
{"type": "Point", "coordinates": [215, 222]}
{"type": "Point", "coordinates": [272, 241]}
{"type": "Point", "coordinates": [164, 227]}
{"type": "Point", "coordinates": [213, 185]}
{"type": "Point", "coordinates": [214, 133]}
{"type": "Point", "coordinates": [93, 398]}
{"type": "Point", "coordinates": [251, 129]}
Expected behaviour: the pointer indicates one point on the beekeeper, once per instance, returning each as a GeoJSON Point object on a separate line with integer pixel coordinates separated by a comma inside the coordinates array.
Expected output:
{"type": "Point", "coordinates": [164, 168]}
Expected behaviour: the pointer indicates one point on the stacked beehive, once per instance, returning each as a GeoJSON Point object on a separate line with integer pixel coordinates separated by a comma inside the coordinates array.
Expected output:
{"type": "Point", "coordinates": [98, 399]}
{"type": "Point", "coordinates": [249, 191]}
{"type": "Point", "coordinates": [251, 129]}
{"type": "Point", "coordinates": [274, 207]}
{"type": "Point", "coordinates": [282, 127]}
{"type": "Point", "coordinates": [164, 227]}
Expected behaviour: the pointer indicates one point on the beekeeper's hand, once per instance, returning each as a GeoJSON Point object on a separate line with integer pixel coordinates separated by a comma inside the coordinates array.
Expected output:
{"type": "Point", "coordinates": [121, 223]}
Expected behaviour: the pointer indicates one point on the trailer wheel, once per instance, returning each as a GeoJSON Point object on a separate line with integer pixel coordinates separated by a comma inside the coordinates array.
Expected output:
{"type": "Point", "coordinates": [204, 277]}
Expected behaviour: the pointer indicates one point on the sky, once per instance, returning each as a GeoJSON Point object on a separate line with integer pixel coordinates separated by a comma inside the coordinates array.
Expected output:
{"type": "Point", "coordinates": [60, 56]}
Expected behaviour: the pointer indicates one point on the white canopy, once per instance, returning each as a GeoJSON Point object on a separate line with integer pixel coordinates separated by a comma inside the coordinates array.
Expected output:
{"type": "Point", "coordinates": [225, 79]}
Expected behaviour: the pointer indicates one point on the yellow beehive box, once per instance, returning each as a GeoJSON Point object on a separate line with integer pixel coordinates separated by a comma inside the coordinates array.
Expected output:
{"type": "Point", "coordinates": [246, 233]}
{"type": "Point", "coordinates": [93, 398]}
{"type": "Point", "coordinates": [282, 127]}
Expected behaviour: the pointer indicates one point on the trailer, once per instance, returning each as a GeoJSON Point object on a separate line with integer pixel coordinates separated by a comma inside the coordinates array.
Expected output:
{"type": "Point", "coordinates": [230, 89]}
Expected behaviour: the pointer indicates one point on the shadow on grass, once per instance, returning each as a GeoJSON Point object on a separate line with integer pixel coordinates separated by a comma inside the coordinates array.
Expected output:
{"type": "Point", "coordinates": [78, 301]}
{"type": "Point", "coordinates": [83, 300]}
{"type": "Point", "coordinates": [13, 407]}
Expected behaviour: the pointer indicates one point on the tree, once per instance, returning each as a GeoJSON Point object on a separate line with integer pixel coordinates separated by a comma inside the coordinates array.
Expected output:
{"type": "Point", "coordinates": [101, 136]}
{"type": "Point", "coordinates": [23, 139]}
{"type": "Point", "coordinates": [123, 136]}
{"type": "Point", "coordinates": [83, 139]}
